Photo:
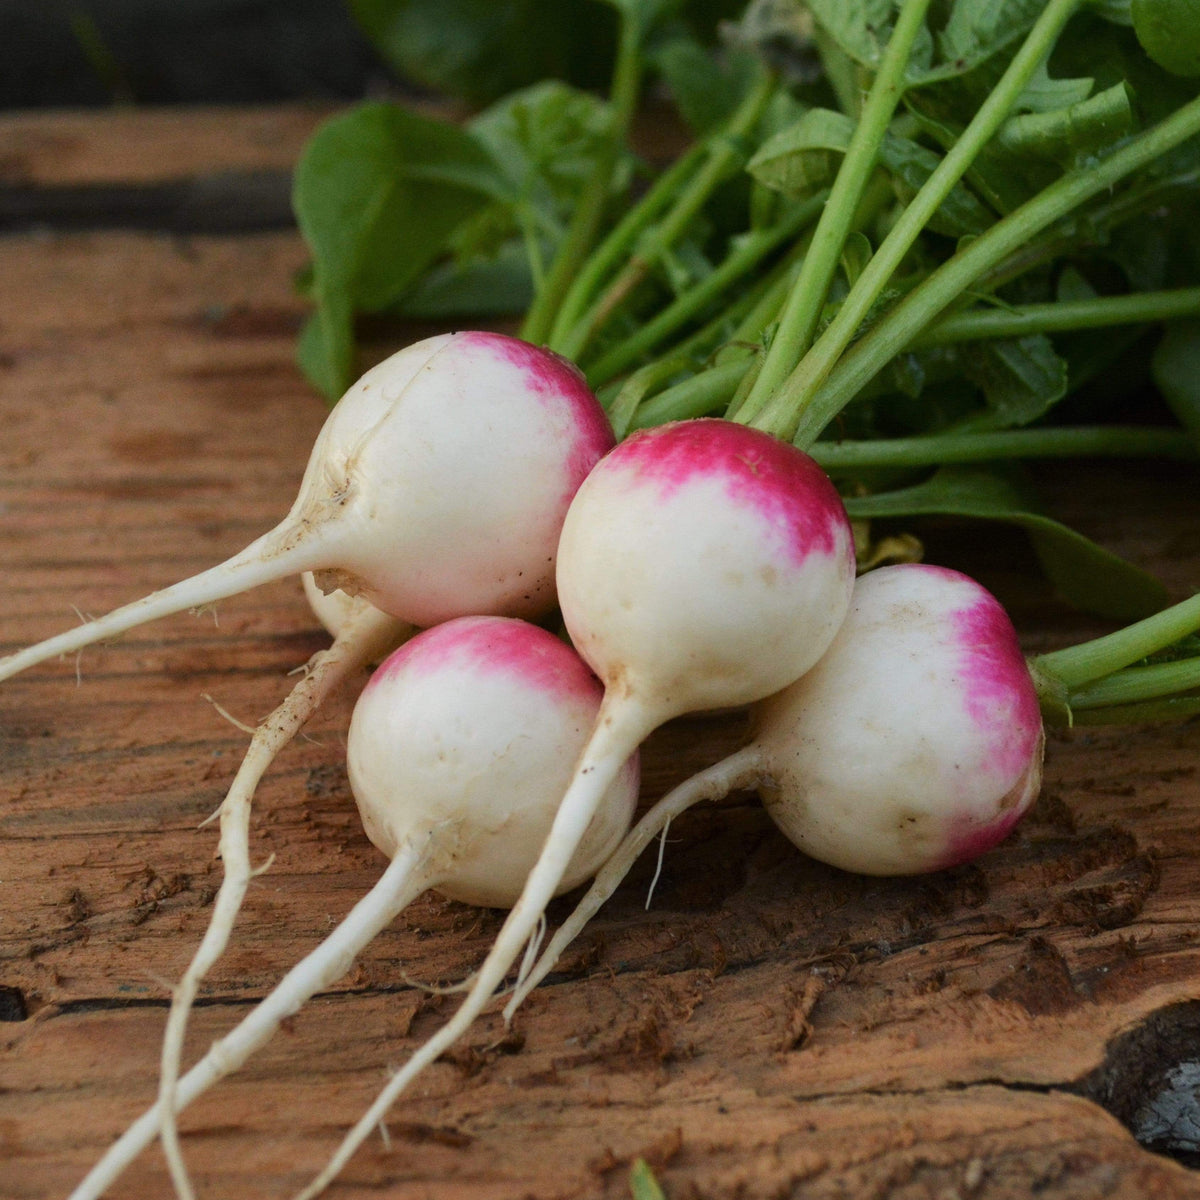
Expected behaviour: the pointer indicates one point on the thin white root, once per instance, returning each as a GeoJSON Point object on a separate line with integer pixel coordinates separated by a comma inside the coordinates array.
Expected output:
{"type": "Point", "coordinates": [224, 712]}
{"type": "Point", "coordinates": [739, 770]}
{"type": "Point", "coordinates": [399, 885]}
{"type": "Point", "coordinates": [284, 550]}
{"type": "Point", "coordinates": [531, 950]}
{"type": "Point", "coordinates": [367, 637]}
{"type": "Point", "coordinates": [611, 744]}
{"type": "Point", "coordinates": [437, 989]}
{"type": "Point", "coordinates": [662, 850]}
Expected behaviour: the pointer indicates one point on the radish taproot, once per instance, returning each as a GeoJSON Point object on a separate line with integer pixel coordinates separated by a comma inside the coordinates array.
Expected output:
{"type": "Point", "coordinates": [702, 564]}
{"type": "Point", "coordinates": [436, 489]}
{"type": "Point", "coordinates": [914, 744]}
{"type": "Point", "coordinates": [459, 751]}
{"type": "Point", "coordinates": [363, 635]}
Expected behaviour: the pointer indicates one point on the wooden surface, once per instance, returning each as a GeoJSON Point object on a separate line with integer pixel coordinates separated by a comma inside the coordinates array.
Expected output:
{"type": "Point", "coordinates": [769, 1028]}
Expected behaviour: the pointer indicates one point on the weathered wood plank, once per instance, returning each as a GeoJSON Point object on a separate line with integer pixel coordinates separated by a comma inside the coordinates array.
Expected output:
{"type": "Point", "coordinates": [150, 145]}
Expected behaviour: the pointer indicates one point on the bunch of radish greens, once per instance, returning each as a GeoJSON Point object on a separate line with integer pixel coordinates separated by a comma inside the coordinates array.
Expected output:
{"type": "Point", "coordinates": [925, 242]}
{"type": "Point", "coordinates": [904, 251]}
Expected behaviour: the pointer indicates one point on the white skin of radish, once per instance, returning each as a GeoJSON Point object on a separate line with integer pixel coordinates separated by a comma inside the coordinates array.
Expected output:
{"type": "Point", "coordinates": [701, 564]}
{"type": "Point", "coordinates": [913, 745]}
{"type": "Point", "coordinates": [462, 816]}
{"type": "Point", "coordinates": [436, 488]}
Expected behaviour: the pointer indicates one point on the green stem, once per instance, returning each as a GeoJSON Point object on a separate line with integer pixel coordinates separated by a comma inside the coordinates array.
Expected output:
{"type": "Point", "coordinates": [1100, 441]}
{"type": "Point", "coordinates": [1061, 315]}
{"type": "Point", "coordinates": [803, 309]}
{"type": "Point", "coordinates": [1170, 708]}
{"type": "Point", "coordinates": [710, 389]}
{"type": "Point", "coordinates": [744, 314]}
{"type": "Point", "coordinates": [924, 303]}
{"type": "Point", "coordinates": [1134, 685]}
{"type": "Point", "coordinates": [1075, 666]}
{"type": "Point", "coordinates": [1092, 229]}
{"type": "Point", "coordinates": [696, 397]}
{"type": "Point", "coordinates": [634, 389]}
{"type": "Point", "coordinates": [781, 408]}
{"type": "Point", "coordinates": [752, 249]}
{"type": "Point", "coordinates": [723, 154]}
{"type": "Point", "coordinates": [605, 258]}
{"type": "Point", "coordinates": [589, 212]}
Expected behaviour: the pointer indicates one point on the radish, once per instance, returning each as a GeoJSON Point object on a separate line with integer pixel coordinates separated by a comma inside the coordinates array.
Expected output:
{"type": "Point", "coordinates": [460, 748]}
{"type": "Point", "coordinates": [363, 635]}
{"type": "Point", "coordinates": [436, 489]}
{"type": "Point", "coordinates": [702, 564]}
{"type": "Point", "coordinates": [913, 745]}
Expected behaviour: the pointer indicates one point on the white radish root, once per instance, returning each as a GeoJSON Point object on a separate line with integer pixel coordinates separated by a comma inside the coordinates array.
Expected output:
{"type": "Point", "coordinates": [366, 636]}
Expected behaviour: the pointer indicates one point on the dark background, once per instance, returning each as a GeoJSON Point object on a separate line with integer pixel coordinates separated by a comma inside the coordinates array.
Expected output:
{"type": "Point", "coordinates": [97, 52]}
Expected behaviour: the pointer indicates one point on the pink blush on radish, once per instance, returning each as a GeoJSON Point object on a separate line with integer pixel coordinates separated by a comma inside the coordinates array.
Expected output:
{"type": "Point", "coordinates": [558, 381]}
{"type": "Point", "coordinates": [968, 839]}
{"type": "Point", "coordinates": [496, 646]}
{"type": "Point", "coordinates": [757, 472]}
{"type": "Point", "coordinates": [999, 696]}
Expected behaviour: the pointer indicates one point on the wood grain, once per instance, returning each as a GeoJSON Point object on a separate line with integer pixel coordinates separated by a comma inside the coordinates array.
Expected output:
{"type": "Point", "coordinates": [770, 1027]}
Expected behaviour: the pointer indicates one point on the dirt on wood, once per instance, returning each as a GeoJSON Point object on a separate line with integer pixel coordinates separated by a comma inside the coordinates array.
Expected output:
{"type": "Point", "coordinates": [769, 1027]}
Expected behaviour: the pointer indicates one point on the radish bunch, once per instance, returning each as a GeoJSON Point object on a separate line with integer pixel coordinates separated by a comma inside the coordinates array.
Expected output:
{"type": "Point", "coordinates": [436, 489]}
{"type": "Point", "coordinates": [699, 565]}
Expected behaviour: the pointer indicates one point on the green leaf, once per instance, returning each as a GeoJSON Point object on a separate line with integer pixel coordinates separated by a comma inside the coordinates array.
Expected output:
{"type": "Point", "coordinates": [642, 1184]}
{"type": "Point", "coordinates": [377, 194]}
{"type": "Point", "coordinates": [497, 285]}
{"type": "Point", "coordinates": [1175, 366]}
{"type": "Point", "coordinates": [481, 49]}
{"type": "Point", "coordinates": [804, 158]}
{"type": "Point", "coordinates": [859, 27]}
{"type": "Point", "coordinates": [910, 165]}
{"type": "Point", "coordinates": [1021, 379]}
{"type": "Point", "coordinates": [1071, 136]}
{"type": "Point", "coordinates": [706, 89]}
{"type": "Point", "coordinates": [543, 141]}
{"type": "Point", "coordinates": [1085, 574]}
{"type": "Point", "coordinates": [325, 351]}
{"type": "Point", "coordinates": [974, 31]}
{"type": "Point", "coordinates": [1119, 12]}
{"type": "Point", "coordinates": [1044, 93]}
{"type": "Point", "coordinates": [856, 253]}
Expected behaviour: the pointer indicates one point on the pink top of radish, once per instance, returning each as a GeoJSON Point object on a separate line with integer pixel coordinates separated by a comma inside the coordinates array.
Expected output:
{"type": "Point", "coordinates": [557, 380]}
{"type": "Point", "coordinates": [756, 471]}
{"type": "Point", "coordinates": [489, 647]}
{"type": "Point", "coordinates": [966, 839]}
